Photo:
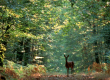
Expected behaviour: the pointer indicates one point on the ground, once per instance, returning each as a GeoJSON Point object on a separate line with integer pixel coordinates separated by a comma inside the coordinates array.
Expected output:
{"type": "Point", "coordinates": [94, 76]}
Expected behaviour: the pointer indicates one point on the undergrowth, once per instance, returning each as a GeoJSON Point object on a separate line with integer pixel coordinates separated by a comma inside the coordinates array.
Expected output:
{"type": "Point", "coordinates": [13, 71]}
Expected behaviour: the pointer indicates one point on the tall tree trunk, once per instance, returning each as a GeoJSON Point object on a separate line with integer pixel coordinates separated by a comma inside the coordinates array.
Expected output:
{"type": "Point", "coordinates": [27, 51]}
{"type": "Point", "coordinates": [95, 45]}
{"type": "Point", "coordinates": [19, 51]}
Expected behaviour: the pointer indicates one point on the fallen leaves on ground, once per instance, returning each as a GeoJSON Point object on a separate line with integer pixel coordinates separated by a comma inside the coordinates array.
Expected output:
{"type": "Point", "coordinates": [71, 77]}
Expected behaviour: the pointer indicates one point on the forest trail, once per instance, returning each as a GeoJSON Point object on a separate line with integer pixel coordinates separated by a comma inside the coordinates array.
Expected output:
{"type": "Point", "coordinates": [64, 77]}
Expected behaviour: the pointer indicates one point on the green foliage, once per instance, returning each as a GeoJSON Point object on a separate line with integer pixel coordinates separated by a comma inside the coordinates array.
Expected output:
{"type": "Point", "coordinates": [51, 28]}
{"type": "Point", "coordinates": [76, 35]}
{"type": "Point", "coordinates": [2, 50]}
{"type": "Point", "coordinates": [15, 71]}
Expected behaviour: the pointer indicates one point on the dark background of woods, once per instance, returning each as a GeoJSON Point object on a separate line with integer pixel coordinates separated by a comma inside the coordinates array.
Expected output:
{"type": "Point", "coordinates": [46, 29]}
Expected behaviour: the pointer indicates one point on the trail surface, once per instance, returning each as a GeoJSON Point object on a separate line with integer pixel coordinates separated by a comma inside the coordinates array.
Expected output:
{"type": "Point", "coordinates": [64, 77]}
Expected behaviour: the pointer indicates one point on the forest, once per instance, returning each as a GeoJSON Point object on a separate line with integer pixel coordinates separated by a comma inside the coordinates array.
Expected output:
{"type": "Point", "coordinates": [54, 40]}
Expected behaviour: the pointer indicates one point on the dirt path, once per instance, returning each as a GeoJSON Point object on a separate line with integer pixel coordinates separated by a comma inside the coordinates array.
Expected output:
{"type": "Point", "coordinates": [94, 76]}
{"type": "Point", "coordinates": [71, 77]}
{"type": "Point", "coordinates": [64, 77]}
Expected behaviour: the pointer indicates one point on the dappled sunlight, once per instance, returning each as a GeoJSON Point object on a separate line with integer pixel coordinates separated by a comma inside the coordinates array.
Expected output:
{"type": "Point", "coordinates": [54, 39]}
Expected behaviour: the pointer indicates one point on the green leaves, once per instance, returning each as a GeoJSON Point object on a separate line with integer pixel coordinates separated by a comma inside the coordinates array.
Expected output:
{"type": "Point", "coordinates": [55, 28]}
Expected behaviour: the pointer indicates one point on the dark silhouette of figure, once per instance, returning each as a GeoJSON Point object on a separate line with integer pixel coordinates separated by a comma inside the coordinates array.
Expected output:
{"type": "Point", "coordinates": [72, 2]}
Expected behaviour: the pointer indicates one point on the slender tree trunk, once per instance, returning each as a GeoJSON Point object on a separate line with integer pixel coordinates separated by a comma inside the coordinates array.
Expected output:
{"type": "Point", "coordinates": [27, 51]}
{"type": "Point", "coordinates": [95, 45]}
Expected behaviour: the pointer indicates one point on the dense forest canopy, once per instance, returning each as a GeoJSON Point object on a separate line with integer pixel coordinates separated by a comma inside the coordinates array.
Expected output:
{"type": "Point", "coordinates": [42, 31]}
